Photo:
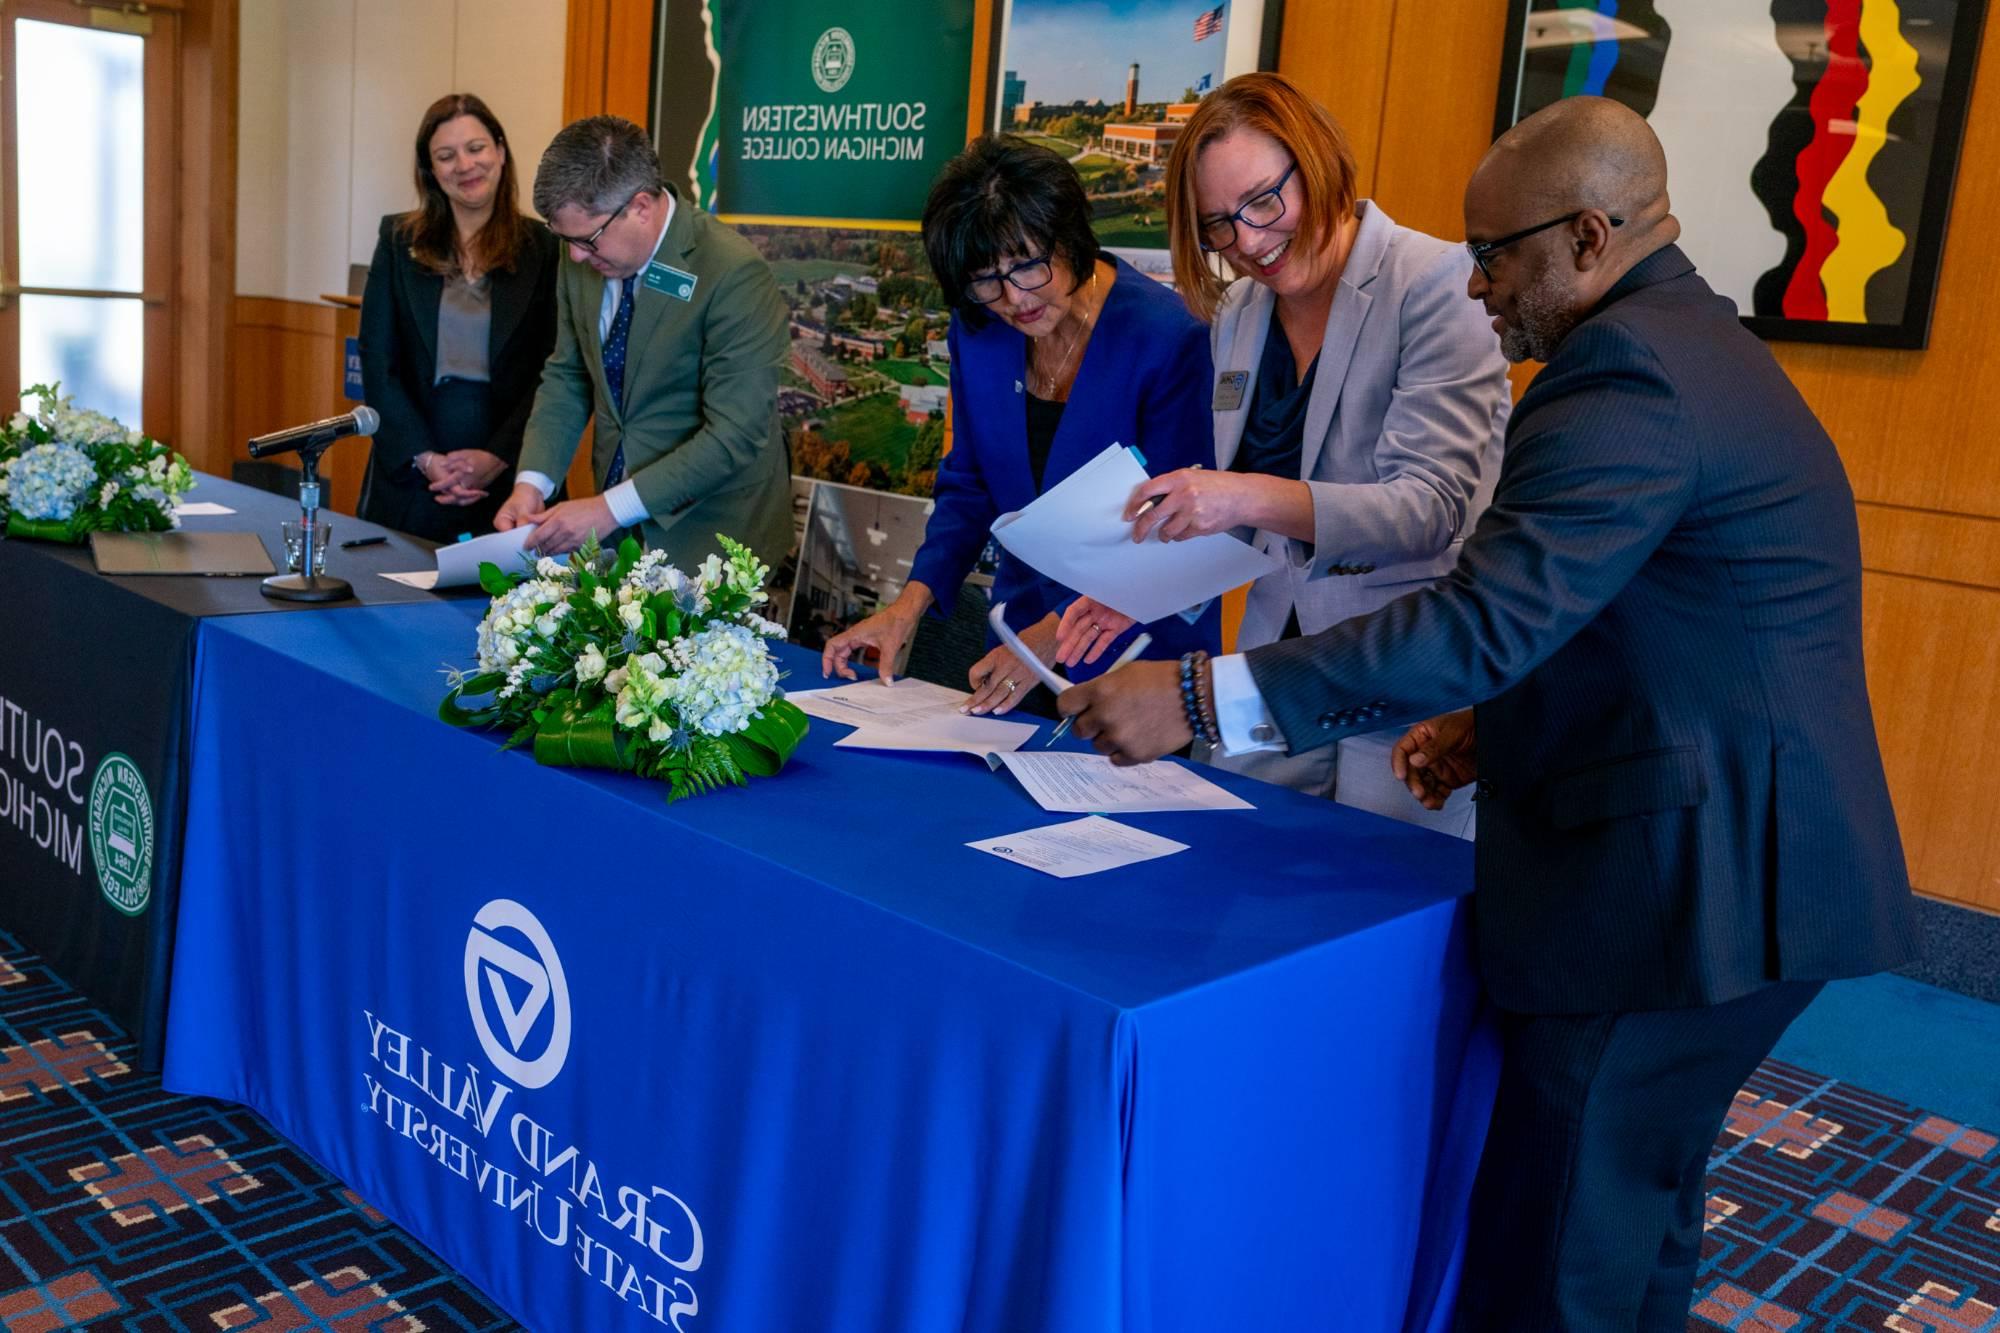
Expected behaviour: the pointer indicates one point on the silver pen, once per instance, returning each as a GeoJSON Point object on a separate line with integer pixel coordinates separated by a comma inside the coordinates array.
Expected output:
{"type": "Point", "coordinates": [1136, 647]}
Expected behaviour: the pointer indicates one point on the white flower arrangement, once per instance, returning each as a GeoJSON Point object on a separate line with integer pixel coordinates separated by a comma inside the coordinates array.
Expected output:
{"type": "Point", "coordinates": [66, 472]}
{"type": "Point", "coordinates": [627, 662]}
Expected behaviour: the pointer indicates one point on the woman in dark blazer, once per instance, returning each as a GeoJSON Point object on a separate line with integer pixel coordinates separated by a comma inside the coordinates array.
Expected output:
{"type": "Point", "coordinates": [1058, 350]}
{"type": "Point", "coordinates": [458, 317]}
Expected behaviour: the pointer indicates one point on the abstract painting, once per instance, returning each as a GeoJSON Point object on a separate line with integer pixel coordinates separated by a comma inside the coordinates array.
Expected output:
{"type": "Point", "coordinates": [1811, 144]}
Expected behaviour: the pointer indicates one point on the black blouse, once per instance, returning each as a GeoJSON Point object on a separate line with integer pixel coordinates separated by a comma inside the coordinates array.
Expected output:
{"type": "Point", "coordinates": [1274, 427]}
{"type": "Point", "coordinates": [1044, 416]}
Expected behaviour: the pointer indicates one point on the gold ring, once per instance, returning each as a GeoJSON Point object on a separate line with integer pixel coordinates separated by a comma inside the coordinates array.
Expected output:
{"type": "Point", "coordinates": [1010, 686]}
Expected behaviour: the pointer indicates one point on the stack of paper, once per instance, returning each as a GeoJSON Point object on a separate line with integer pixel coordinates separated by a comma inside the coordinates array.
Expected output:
{"type": "Point", "coordinates": [910, 715]}
{"type": "Point", "coordinates": [1075, 533]}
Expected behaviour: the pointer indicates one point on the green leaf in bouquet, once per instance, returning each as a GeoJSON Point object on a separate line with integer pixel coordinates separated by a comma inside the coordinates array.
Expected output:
{"type": "Point", "coordinates": [775, 732]}
{"type": "Point", "coordinates": [576, 736]}
{"type": "Point", "coordinates": [450, 710]}
{"type": "Point", "coordinates": [495, 583]}
{"type": "Point", "coordinates": [629, 552]}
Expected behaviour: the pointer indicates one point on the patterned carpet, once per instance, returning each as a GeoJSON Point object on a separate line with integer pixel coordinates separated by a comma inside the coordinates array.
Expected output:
{"type": "Point", "coordinates": [123, 1207]}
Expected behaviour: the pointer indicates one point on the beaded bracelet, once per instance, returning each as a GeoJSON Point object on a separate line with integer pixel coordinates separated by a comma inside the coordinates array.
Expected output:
{"type": "Point", "coordinates": [1199, 721]}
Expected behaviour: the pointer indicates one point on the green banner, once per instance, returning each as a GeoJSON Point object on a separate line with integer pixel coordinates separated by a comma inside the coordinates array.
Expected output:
{"type": "Point", "coordinates": [834, 111]}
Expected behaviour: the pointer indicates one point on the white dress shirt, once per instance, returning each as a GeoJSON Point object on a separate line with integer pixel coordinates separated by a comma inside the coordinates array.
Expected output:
{"type": "Point", "coordinates": [627, 509]}
{"type": "Point", "coordinates": [1241, 716]}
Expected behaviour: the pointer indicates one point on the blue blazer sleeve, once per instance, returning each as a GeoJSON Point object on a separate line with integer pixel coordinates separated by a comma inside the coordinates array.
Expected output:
{"type": "Point", "coordinates": [1596, 476]}
{"type": "Point", "coordinates": [963, 509]}
{"type": "Point", "coordinates": [1176, 428]}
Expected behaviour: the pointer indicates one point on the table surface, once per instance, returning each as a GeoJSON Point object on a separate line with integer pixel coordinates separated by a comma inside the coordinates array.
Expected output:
{"type": "Point", "coordinates": [261, 512]}
{"type": "Point", "coordinates": [1131, 936]}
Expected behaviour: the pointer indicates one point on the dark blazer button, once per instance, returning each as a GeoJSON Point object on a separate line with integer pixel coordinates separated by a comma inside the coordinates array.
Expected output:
{"type": "Point", "coordinates": [1482, 790]}
{"type": "Point", "coordinates": [1328, 721]}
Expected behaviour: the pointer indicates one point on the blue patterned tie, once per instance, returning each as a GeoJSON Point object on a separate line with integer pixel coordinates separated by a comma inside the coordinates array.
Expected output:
{"type": "Point", "coordinates": [614, 370]}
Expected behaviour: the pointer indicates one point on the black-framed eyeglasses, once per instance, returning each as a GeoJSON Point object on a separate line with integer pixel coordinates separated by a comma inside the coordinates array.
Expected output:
{"type": "Point", "coordinates": [1026, 276]}
{"type": "Point", "coordinates": [1481, 251]}
{"type": "Point", "coordinates": [590, 242]}
{"type": "Point", "coordinates": [1260, 210]}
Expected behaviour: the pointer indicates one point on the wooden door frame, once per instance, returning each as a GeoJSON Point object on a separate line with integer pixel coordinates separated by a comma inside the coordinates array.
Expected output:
{"type": "Point", "coordinates": [190, 216]}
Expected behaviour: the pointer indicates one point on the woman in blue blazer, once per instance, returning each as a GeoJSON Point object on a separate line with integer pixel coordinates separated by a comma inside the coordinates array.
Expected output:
{"type": "Point", "coordinates": [1059, 349]}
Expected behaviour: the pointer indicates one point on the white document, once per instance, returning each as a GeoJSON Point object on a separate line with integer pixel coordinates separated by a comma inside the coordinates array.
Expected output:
{"type": "Point", "coordinates": [910, 715]}
{"type": "Point", "coordinates": [982, 736]}
{"type": "Point", "coordinates": [1080, 847]}
{"type": "Point", "coordinates": [426, 579]}
{"type": "Point", "coordinates": [1076, 534]}
{"type": "Point", "coordinates": [861, 702]}
{"type": "Point", "coordinates": [458, 564]}
{"type": "Point", "coordinates": [202, 509]}
{"type": "Point", "coordinates": [1067, 782]}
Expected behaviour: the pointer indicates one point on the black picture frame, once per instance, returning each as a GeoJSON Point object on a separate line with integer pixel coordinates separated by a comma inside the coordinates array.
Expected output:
{"type": "Point", "coordinates": [1912, 331]}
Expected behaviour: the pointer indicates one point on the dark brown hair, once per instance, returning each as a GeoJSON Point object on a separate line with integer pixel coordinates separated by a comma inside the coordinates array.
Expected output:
{"type": "Point", "coordinates": [429, 229]}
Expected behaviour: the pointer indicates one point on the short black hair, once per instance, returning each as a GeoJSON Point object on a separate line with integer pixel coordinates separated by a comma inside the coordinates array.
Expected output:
{"type": "Point", "coordinates": [1004, 195]}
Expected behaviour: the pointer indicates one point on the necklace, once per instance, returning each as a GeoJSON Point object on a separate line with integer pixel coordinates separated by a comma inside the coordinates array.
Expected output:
{"type": "Point", "coordinates": [1050, 382]}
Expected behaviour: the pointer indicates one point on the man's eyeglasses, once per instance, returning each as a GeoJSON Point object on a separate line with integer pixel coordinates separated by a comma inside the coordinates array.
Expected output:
{"type": "Point", "coordinates": [1481, 251]}
{"type": "Point", "coordinates": [1026, 276]}
{"type": "Point", "coordinates": [1260, 210]}
{"type": "Point", "coordinates": [590, 242]}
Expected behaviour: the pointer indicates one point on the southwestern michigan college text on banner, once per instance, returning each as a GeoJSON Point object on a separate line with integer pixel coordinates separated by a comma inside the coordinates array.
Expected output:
{"type": "Point", "coordinates": [817, 112]}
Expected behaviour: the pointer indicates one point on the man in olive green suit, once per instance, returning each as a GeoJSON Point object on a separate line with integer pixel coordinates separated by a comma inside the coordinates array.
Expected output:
{"type": "Point", "coordinates": [670, 329]}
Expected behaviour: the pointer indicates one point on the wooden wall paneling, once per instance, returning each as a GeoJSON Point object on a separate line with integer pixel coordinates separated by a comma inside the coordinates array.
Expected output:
{"type": "Point", "coordinates": [1443, 79]}
{"type": "Point", "coordinates": [288, 370]}
{"type": "Point", "coordinates": [1929, 544]}
{"type": "Point", "coordinates": [1933, 654]}
{"type": "Point", "coordinates": [1340, 54]}
{"type": "Point", "coordinates": [205, 278]}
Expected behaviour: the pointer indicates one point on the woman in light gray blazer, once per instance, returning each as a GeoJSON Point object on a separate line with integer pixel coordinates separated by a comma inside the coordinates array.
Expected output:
{"type": "Point", "coordinates": [1359, 402]}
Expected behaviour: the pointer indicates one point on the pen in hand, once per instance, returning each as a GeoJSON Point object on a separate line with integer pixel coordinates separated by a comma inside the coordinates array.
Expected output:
{"type": "Point", "coordinates": [362, 541]}
{"type": "Point", "coordinates": [1138, 646]}
{"type": "Point", "coordinates": [1150, 503]}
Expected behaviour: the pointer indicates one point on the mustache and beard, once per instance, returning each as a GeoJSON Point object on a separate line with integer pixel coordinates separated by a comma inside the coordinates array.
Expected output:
{"type": "Point", "coordinates": [1542, 319]}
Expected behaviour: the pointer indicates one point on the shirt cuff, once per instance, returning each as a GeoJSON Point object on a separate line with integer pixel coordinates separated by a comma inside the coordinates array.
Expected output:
{"type": "Point", "coordinates": [1240, 715]}
{"type": "Point", "coordinates": [538, 481]}
{"type": "Point", "coordinates": [626, 506]}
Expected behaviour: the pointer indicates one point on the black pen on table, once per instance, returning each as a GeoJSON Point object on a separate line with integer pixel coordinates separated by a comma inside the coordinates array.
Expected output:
{"type": "Point", "coordinates": [362, 541]}
{"type": "Point", "coordinates": [1137, 646]}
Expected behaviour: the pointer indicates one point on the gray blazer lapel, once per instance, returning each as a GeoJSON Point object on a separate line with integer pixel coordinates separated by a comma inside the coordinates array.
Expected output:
{"type": "Point", "coordinates": [1343, 331]}
{"type": "Point", "coordinates": [1239, 346]}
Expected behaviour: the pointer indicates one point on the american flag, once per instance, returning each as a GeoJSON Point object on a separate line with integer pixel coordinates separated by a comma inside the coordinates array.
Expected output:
{"type": "Point", "coordinates": [1208, 23]}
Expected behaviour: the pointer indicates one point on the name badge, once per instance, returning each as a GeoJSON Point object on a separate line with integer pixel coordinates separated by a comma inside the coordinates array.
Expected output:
{"type": "Point", "coordinates": [1229, 387]}
{"type": "Point", "coordinates": [670, 280]}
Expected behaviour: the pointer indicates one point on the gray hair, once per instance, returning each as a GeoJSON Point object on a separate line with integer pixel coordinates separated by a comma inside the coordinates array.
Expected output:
{"type": "Point", "coordinates": [595, 164]}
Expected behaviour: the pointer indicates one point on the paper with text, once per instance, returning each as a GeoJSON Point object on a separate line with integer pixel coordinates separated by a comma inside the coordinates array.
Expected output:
{"type": "Point", "coordinates": [1080, 847]}
{"type": "Point", "coordinates": [1067, 782]}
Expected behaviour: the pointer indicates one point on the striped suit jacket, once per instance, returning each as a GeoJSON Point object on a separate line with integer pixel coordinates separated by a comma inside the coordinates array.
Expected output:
{"type": "Point", "coordinates": [1659, 618]}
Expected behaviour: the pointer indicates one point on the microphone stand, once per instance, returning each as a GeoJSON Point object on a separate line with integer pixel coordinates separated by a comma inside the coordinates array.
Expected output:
{"type": "Point", "coordinates": [307, 586]}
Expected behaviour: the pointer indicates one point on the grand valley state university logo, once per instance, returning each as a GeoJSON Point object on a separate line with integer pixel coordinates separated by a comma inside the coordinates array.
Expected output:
{"type": "Point", "coordinates": [516, 988]}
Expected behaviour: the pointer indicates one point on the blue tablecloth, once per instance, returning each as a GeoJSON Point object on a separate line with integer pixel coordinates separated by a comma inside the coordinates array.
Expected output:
{"type": "Point", "coordinates": [793, 1058]}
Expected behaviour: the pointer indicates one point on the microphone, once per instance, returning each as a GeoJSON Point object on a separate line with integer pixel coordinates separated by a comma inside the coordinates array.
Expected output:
{"type": "Point", "coordinates": [363, 420]}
